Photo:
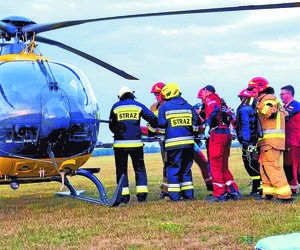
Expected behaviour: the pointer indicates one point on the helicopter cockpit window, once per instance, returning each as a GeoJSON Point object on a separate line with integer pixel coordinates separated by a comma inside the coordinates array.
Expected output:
{"type": "Point", "coordinates": [20, 85]}
{"type": "Point", "coordinates": [76, 85]}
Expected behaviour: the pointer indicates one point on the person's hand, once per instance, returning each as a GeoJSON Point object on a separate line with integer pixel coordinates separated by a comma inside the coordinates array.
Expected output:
{"type": "Point", "coordinates": [206, 131]}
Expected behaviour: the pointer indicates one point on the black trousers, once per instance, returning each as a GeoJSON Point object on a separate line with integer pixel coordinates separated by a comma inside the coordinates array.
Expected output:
{"type": "Point", "coordinates": [137, 158]}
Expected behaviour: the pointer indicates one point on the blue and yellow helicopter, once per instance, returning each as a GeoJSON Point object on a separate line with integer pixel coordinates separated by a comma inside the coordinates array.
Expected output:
{"type": "Point", "coordinates": [49, 117]}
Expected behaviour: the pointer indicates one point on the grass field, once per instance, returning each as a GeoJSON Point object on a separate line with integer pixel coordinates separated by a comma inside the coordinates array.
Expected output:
{"type": "Point", "coordinates": [33, 218]}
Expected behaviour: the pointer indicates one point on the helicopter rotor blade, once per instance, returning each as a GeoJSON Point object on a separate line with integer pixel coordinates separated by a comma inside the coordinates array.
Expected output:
{"type": "Point", "coordinates": [86, 56]}
{"type": "Point", "coordinates": [8, 28]}
{"type": "Point", "coordinates": [38, 28]}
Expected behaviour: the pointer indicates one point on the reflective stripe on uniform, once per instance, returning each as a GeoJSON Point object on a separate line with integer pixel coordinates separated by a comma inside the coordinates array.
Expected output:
{"type": "Point", "coordinates": [151, 128]}
{"type": "Point", "coordinates": [142, 189]}
{"type": "Point", "coordinates": [265, 109]}
{"type": "Point", "coordinates": [177, 112]}
{"type": "Point", "coordinates": [179, 141]}
{"type": "Point", "coordinates": [218, 184]}
{"type": "Point", "coordinates": [268, 190]}
{"type": "Point", "coordinates": [278, 121]}
{"type": "Point", "coordinates": [255, 177]}
{"type": "Point", "coordinates": [196, 128]}
{"type": "Point", "coordinates": [128, 143]}
{"type": "Point", "coordinates": [125, 190]}
{"type": "Point", "coordinates": [128, 112]}
{"type": "Point", "coordinates": [161, 130]}
{"type": "Point", "coordinates": [283, 190]}
{"type": "Point", "coordinates": [173, 187]}
{"type": "Point", "coordinates": [187, 185]}
{"type": "Point", "coordinates": [272, 136]}
{"type": "Point", "coordinates": [228, 183]}
{"type": "Point", "coordinates": [273, 133]}
{"type": "Point", "coordinates": [123, 108]}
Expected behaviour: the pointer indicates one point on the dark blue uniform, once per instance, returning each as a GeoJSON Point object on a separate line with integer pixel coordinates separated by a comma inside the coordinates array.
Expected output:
{"type": "Point", "coordinates": [178, 120]}
{"type": "Point", "coordinates": [125, 119]}
{"type": "Point", "coordinates": [247, 131]}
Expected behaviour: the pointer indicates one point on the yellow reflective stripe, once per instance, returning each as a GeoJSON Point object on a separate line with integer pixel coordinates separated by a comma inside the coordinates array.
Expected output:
{"type": "Point", "coordinates": [278, 121]}
{"type": "Point", "coordinates": [125, 190]}
{"type": "Point", "coordinates": [142, 189]}
{"type": "Point", "coordinates": [178, 143]}
{"type": "Point", "coordinates": [272, 135]}
{"type": "Point", "coordinates": [151, 129]}
{"type": "Point", "coordinates": [265, 109]}
{"type": "Point", "coordinates": [271, 102]}
{"type": "Point", "coordinates": [173, 189]}
{"type": "Point", "coordinates": [128, 145]}
{"type": "Point", "coordinates": [251, 101]}
{"type": "Point", "coordinates": [182, 115]}
{"type": "Point", "coordinates": [187, 187]}
{"type": "Point", "coordinates": [283, 190]}
{"type": "Point", "coordinates": [126, 108]}
{"type": "Point", "coordinates": [255, 177]}
{"type": "Point", "coordinates": [268, 190]}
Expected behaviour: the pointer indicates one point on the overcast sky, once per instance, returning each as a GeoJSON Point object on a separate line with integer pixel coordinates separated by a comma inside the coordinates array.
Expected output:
{"type": "Point", "coordinates": [222, 49]}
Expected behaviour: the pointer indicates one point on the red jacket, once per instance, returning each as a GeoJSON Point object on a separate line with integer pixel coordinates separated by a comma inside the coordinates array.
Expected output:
{"type": "Point", "coordinates": [292, 129]}
{"type": "Point", "coordinates": [213, 116]}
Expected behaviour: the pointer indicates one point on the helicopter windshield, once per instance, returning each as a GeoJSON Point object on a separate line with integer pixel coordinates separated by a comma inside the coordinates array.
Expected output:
{"type": "Point", "coordinates": [22, 83]}
{"type": "Point", "coordinates": [74, 81]}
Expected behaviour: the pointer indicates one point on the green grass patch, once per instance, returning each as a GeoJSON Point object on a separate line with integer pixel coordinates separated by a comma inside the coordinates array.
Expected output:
{"type": "Point", "coordinates": [32, 217]}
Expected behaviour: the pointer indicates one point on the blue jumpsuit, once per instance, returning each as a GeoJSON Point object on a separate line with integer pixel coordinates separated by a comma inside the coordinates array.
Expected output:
{"type": "Point", "coordinates": [178, 120]}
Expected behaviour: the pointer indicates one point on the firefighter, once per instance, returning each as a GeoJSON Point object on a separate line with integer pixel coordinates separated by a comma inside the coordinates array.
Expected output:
{"type": "Point", "coordinates": [292, 137]}
{"type": "Point", "coordinates": [156, 90]}
{"type": "Point", "coordinates": [125, 116]}
{"type": "Point", "coordinates": [248, 131]}
{"type": "Point", "coordinates": [179, 121]}
{"type": "Point", "coordinates": [272, 118]}
{"type": "Point", "coordinates": [199, 157]}
{"type": "Point", "coordinates": [218, 144]}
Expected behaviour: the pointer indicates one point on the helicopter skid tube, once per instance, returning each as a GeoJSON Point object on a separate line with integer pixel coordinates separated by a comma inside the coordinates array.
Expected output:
{"type": "Point", "coordinates": [89, 173]}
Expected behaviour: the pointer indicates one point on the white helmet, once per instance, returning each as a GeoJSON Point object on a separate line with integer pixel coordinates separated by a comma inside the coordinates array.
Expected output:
{"type": "Point", "coordinates": [124, 90]}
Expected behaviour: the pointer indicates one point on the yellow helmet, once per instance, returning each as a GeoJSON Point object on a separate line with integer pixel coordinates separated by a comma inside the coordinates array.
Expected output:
{"type": "Point", "coordinates": [170, 90]}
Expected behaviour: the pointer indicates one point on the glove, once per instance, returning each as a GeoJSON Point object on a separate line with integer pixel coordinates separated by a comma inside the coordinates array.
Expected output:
{"type": "Point", "coordinates": [206, 131]}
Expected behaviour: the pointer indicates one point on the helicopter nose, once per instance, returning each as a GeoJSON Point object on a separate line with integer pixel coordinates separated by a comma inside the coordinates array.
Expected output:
{"type": "Point", "coordinates": [55, 116]}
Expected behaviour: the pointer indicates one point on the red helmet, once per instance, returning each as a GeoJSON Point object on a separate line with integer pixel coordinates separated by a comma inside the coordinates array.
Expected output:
{"type": "Point", "coordinates": [259, 83]}
{"type": "Point", "coordinates": [200, 93]}
{"type": "Point", "coordinates": [246, 93]}
{"type": "Point", "coordinates": [157, 87]}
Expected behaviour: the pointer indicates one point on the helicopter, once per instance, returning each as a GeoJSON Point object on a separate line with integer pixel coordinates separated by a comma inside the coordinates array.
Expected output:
{"type": "Point", "coordinates": [49, 116]}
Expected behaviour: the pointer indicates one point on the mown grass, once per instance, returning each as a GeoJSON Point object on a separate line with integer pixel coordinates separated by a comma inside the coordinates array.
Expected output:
{"type": "Point", "coordinates": [33, 218]}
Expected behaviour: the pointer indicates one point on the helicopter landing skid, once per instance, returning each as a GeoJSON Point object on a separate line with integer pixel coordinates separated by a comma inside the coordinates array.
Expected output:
{"type": "Point", "coordinates": [89, 173]}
